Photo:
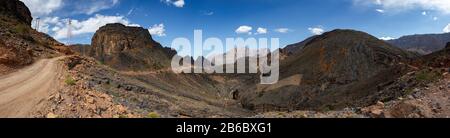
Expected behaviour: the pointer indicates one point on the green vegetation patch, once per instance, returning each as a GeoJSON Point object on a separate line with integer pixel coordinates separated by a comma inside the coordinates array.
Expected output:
{"type": "Point", "coordinates": [70, 81]}
{"type": "Point", "coordinates": [153, 115]}
{"type": "Point", "coordinates": [427, 76]}
{"type": "Point", "coordinates": [21, 29]}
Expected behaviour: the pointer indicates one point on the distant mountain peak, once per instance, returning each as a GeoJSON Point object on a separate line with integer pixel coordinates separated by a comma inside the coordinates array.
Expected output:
{"type": "Point", "coordinates": [422, 43]}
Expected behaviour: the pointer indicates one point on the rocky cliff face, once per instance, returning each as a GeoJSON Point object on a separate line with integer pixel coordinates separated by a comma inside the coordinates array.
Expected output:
{"type": "Point", "coordinates": [333, 70]}
{"type": "Point", "coordinates": [15, 9]}
{"type": "Point", "coordinates": [13, 12]}
{"type": "Point", "coordinates": [20, 44]}
{"type": "Point", "coordinates": [129, 48]}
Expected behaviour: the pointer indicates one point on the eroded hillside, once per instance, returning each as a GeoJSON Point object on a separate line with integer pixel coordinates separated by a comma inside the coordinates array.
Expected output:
{"type": "Point", "coordinates": [21, 45]}
{"type": "Point", "coordinates": [125, 73]}
{"type": "Point", "coordinates": [335, 70]}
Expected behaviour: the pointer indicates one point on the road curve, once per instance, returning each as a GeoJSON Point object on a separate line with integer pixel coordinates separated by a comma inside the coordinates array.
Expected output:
{"type": "Point", "coordinates": [23, 91]}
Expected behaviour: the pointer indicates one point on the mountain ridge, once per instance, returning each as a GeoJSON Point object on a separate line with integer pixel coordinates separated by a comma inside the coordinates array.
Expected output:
{"type": "Point", "coordinates": [422, 43]}
{"type": "Point", "coordinates": [330, 67]}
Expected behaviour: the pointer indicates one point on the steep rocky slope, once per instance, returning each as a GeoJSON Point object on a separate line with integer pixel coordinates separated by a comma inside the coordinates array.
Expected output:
{"type": "Point", "coordinates": [426, 90]}
{"type": "Point", "coordinates": [20, 44]}
{"type": "Point", "coordinates": [141, 93]}
{"type": "Point", "coordinates": [342, 73]}
{"type": "Point", "coordinates": [335, 70]}
{"type": "Point", "coordinates": [422, 92]}
{"type": "Point", "coordinates": [129, 48]}
{"type": "Point", "coordinates": [437, 59]}
{"type": "Point", "coordinates": [73, 99]}
{"type": "Point", "coordinates": [127, 64]}
{"type": "Point", "coordinates": [297, 47]}
{"type": "Point", "coordinates": [27, 65]}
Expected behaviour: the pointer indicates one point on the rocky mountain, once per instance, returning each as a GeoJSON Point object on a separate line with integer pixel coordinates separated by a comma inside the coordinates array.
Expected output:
{"type": "Point", "coordinates": [294, 48]}
{"type": "Point", "coordinates": [136, 70]}
{"type": "Point", "coordinates": [20, 44]}
{"type": "Point", "coordinates": [125, 73]}
{"type": "Point", "coordinates": [129, 48]}
{"type": "Point", "coordinates": [334, 70]}
{"type": "Point", "coordinates": [425, 88]}
{"type": "Point", "coordinates": [14, 9]}
{"type": "Point", "coordinates": [423, 44]}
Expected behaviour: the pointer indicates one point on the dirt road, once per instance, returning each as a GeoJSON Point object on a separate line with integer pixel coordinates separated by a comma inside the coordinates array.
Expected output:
{"type": "Point", "coordinates": [23, 91]}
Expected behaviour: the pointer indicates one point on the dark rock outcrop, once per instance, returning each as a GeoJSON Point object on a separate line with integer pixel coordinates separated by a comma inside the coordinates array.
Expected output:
{"type": "Point", "coordinates": [336, 69]}
{"type": "Point", "coordinates": [129, 48]}
{"type": "Point", "coordinates": [15, 9]}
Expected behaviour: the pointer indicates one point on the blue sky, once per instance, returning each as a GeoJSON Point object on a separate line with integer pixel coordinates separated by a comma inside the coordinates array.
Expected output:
{"type": "Point", "coordinates": [290, 20]}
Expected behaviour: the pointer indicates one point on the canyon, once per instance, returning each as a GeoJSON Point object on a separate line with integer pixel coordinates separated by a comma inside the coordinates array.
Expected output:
{"type": "Point", "coordinates": [124, 73]}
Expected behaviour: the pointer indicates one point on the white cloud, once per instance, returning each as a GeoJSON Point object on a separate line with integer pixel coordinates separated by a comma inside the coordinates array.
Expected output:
{"type": "Point", "coordinates": [42, 7]}
{"type": "Point", "coordinates": [179, 3]}
{"type": "Point", "coordinates": [261, 30]}
{"type": "Point", "coordinates": [435, 18]}
{"type": "Point", "coordinates": [424, 13]}
{"type": "Point", "coordinates": [87, 26]}
{"type": "Point", "coordinates": [380, 10]}
{"type": "Point", "coordinates": [401, 5]}
{"type": "Point", "coordinates": [157, 29]}
{"type": "Point", "coordinates": [56, 28]}
{"type": "Point", "coordinates": [51, 20]}
{"type": "Point", "coordinates": [97, 5]}
{"type": "Point", "coordinates": [130, 11]}
{"type": "Point", "coordinates": [209, 13]}
{"type": "Point", "coordinates": [176, 3]}
{"type": "Point", "coordinates": [244, 30]}
{"type": "Point", "coordinates": [386, 38]}
{"type": "Point", "coordinates": [447, 29]}
{"type": "Point", "coordinates": [45, 23]}
{"type": "Point", "coordinates": [282, 30]}
{"type": "Point", "coordinates": [316, 30]}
